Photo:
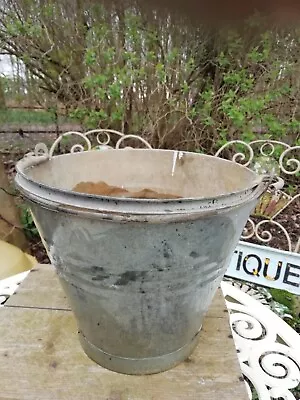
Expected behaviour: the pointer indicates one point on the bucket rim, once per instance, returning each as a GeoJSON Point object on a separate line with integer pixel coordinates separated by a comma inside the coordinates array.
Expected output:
{"type": "Point", "coordinates": [54, 198]}
{"type": "Point", "coordinates": [22, 166]}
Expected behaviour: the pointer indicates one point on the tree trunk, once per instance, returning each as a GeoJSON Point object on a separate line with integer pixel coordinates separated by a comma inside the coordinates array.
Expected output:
{"type": "Point", "coordinates": [2, 96]}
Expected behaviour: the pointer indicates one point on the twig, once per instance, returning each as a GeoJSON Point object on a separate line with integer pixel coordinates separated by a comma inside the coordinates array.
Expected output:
{"type": "Point", "coordinates": [10, 194]}
{"type": "Point", "coordinates": [10, 223]}
{"type": "Point", "coordinates": [8, 234]}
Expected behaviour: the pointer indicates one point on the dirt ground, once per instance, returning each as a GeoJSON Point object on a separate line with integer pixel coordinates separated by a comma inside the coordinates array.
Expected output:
{"type": "Point", "coordinates": [290, 220]}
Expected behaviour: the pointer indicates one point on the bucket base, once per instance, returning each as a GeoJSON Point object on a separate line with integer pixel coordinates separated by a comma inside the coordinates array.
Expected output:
{"type": "Point", "coordinates": [137, 366]}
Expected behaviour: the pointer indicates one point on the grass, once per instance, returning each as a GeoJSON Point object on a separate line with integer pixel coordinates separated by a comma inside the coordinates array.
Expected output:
{"type": "Point", "coordinates": [288, 300]}
{"type": "Point", "coordinates": [28, 223]}
{"type": "Point", "coordinates": [283, 297]}
{"type": "Point", "coordinates": [19, 116]}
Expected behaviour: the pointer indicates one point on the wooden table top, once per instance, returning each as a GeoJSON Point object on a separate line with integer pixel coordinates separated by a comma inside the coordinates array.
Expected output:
{"type": "Point", "coordinates": [41, 358]}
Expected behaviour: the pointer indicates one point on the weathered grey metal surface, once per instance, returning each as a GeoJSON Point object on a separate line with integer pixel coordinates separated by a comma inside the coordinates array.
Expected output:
{"type": "Point", "coordinates": [140, 274]}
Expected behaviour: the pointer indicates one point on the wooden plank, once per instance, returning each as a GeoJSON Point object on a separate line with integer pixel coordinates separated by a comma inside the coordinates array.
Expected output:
{"type": "Point", "coordinates": [41, 358]}
{"type": "Point", "coordinates": [41, 289]}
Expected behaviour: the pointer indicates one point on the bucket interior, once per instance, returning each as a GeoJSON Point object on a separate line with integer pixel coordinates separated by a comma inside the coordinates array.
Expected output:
{"type": "Point", "coordinates": [184, 174]}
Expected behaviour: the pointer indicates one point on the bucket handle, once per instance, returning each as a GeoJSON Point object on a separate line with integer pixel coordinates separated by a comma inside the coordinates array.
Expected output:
{"type": "Point", "coordinates": [261, 185]}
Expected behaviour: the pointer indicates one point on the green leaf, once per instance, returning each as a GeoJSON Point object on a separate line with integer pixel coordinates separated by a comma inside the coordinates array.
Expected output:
{"type": "Point", "coordinates": [90, 57]}
{"type": "Point", "coordinates": [114, 90]}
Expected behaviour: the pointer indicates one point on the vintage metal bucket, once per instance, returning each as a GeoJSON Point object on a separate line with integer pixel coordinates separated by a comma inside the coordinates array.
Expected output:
{"type": "Point", "coordinates": [139, 274]}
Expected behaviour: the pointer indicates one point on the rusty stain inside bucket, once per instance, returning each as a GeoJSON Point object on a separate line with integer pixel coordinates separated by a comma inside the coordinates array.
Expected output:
{"type": "Point", "coordinates": [103, 189]}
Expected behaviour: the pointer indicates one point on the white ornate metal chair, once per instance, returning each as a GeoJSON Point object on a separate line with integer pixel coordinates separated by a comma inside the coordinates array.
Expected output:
{"type": "Point", "coordinates": [268, 349]}
{"type": "Point", "coordinates": [279, 159]}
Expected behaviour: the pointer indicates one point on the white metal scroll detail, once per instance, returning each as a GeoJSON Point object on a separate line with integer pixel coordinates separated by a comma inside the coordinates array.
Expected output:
{"type": "Point", "coordinates": [275, 201]}
{"type": "Point", "coordinates": [268, 348]}
{"type": "Point", "coordinates": [103, 142]}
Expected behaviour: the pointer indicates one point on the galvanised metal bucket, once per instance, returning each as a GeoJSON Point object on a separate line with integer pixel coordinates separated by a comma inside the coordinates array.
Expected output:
{"type": "Point", "coordinates": [139, 274]}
